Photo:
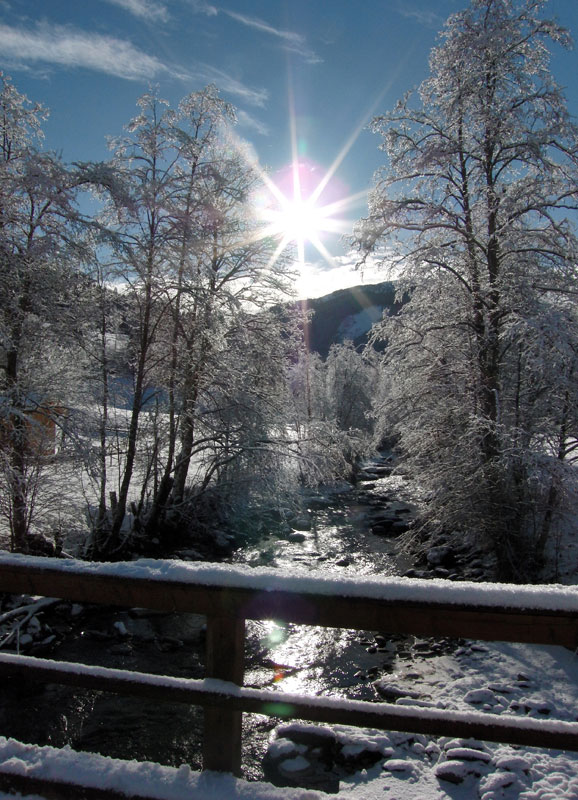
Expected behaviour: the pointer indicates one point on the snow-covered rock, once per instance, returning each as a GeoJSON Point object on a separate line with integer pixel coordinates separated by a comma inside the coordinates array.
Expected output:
{"type": "Point", "coordinates": [455, 771]}
{"type": "Point", "coordinates": [392, 692]}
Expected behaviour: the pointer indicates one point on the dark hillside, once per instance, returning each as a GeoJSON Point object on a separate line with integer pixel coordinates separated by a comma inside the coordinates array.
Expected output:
{"type": "Point", "coordinates": [348, 314]}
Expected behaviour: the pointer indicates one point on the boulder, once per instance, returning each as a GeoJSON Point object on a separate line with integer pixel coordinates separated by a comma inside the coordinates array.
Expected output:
{"type": "Point", "coordinates": [302, 755]}
{"type": "Point", "coordinates": [389, 526]}
{"type": "Point", "coordinates": [442, 556]}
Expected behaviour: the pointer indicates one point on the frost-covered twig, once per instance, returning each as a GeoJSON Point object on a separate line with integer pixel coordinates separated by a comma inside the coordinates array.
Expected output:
{"type": "Point", "coordinates": [29, 611]}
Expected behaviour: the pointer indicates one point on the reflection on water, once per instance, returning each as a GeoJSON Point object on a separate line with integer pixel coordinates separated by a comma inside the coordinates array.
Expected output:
{"type": "Point", "coordinates": [304, 659]}
{"type": "Point", "coordinates": [315, 661]}
{"type": "Point", "coordinates": [339, 540]}
{"type": "Point", "coordinates": [312, 660]}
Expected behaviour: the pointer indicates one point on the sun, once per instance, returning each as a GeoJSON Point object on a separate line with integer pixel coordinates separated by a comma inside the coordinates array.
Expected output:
{"type": "Point", "coordinates": [300, 220]}
{"type": "Point", "coordinates": [300, 206]}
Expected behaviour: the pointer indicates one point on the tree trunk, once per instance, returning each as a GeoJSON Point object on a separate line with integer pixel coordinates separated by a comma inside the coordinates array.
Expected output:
{"type": "Point", "coordinates": [144, 343]}
{"type": "Point", "coordinates": [191, 389]}
{"type": "Point", "coordinates": [183, 459]}
{"type": "Point", "coordinates": [17, 482]}
{"type": "Point", "coordinates": [553, 492]}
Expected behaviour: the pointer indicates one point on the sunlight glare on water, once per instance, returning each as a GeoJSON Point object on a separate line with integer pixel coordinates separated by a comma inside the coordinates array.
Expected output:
{"type": "Point", "coordinates": [313, 660]}
{"type": "Point", "coordinates": [304, 659]}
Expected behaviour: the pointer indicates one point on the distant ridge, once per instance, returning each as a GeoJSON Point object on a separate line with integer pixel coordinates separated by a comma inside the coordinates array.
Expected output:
{"type": "Point", "coordinates": [348, 314]}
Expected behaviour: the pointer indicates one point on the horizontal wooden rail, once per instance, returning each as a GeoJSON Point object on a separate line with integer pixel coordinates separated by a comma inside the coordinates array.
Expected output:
{"type": "Point", "coordinates": [423, 616]}
{"type": "Point", "coordinates": [67, 775]}
{"type": "Point", "coordinates": [228, 596]}
{"type": "Point", "coordinates": [359, 713]}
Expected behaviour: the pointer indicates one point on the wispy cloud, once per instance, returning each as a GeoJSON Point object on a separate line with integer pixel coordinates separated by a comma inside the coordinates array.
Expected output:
{"type": "Point", "coordinates": [55, 44]}
{"type": "Point", "coordinates": [68, 47]}
{"type": "Point", "coordinates": [255, 97]}
{"type": "Point", "coordinates": [202, 7]}
{"type": "Point", "coordinates": [290, 40]}
{"type": "Point", "coordinates": [144, 9]}
{"type": "Point", "coordinates": [249, 122]}
{"type": "Point", "coordinates": [429, 19]}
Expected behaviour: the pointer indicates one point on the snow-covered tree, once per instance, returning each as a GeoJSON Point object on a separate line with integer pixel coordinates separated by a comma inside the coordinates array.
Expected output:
{"type": "Point", "coordinates": [331, 411]}
{"type": "Point", "coordinates": [475, 206]}
{"type": "Point", "coordinates": [37, 287]}
{"type": "Point", "coordinates": [189, 251]}
{"type": "Point", "coordinates": [228, 269]}
{"type": "Point", "coordinates": [139, 228]}
{"type": "Point", "coordinates": [242, 434]}
{"type": "Point", "coordinates": [350, 388]}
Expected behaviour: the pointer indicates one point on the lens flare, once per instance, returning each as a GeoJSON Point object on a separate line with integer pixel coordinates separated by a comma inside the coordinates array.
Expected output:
{"type": "Point", "coordinates": [299, 205]}
{"type": "Point", "coordinates": [303, 205]}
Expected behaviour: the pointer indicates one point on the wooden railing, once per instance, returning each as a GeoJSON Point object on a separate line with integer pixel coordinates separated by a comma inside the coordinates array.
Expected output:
{"type": "Point", "coordinates": [228, 596]}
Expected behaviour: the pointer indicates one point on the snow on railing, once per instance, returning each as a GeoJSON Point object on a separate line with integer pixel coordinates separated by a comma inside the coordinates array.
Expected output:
{"type": "Point", "coordinates": [228, 595]}
{"type": "Point", "coordinates": [501, 595]}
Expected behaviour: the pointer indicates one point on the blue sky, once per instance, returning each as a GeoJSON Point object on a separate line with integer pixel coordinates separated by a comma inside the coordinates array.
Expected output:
{"type": "Point", "coordinates": [327, 64]}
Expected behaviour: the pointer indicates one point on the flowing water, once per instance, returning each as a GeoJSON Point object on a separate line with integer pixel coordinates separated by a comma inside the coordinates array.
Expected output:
{"type": "Point", "coordinates": [299, 658]}
{"type": "Point", "coordinates": [334, 536]}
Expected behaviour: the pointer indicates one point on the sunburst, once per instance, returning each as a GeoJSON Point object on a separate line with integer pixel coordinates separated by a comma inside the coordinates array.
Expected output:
{"type": "Point", "coordinates": [301, 205]}
{"type": "Point", "coordinates": [294, 212]}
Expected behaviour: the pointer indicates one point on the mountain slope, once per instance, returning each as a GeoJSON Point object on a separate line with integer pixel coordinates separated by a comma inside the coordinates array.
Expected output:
{"type": "Point", "coordinates": [348, 314]}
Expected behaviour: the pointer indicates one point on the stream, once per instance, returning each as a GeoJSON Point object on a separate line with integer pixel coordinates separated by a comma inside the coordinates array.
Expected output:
{"type": "Point", "coordinates": [335, 533]}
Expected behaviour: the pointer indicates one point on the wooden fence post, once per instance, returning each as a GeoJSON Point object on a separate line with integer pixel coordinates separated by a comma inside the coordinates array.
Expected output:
{"type": "Point", "coordinates": [225, 660]}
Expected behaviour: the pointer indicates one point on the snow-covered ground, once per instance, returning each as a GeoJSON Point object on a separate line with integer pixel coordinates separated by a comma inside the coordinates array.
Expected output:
{"type": "Point", "coordinates": [502, 679]}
